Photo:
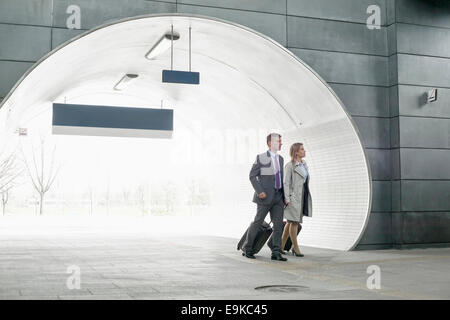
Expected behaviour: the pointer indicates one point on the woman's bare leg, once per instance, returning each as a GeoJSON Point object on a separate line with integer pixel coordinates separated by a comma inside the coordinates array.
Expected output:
{"type": "Point", "coordinates": [293, 234]}
{"type": "Point", "coordinates": [285, 235]}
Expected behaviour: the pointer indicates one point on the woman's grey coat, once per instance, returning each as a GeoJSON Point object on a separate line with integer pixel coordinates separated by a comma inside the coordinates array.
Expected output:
{"type": "Point", "coordinates": [296, 192]}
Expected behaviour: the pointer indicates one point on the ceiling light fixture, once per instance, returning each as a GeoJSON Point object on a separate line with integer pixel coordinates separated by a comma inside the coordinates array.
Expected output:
{"type": "Point", "coordinates": [162, 45]}
{"type": "Point", "coordinates": [125, 81]}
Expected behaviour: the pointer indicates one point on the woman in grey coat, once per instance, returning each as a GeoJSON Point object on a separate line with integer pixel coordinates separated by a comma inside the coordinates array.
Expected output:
{"type": "Point", "coordinates": [296, 192]}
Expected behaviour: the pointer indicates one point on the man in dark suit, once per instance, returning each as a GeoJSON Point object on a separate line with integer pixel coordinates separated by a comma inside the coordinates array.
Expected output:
{"type": "Point", "coordinates": [266, 176]}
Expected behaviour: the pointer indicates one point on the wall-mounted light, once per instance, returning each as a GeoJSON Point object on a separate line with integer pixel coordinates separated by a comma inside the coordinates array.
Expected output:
{"type": "Point", "coordinates": [163, 44]}
{"type": "Point", "coordinates": [432, 95]}
{"type": "Point", "coordinates": [125, 81]}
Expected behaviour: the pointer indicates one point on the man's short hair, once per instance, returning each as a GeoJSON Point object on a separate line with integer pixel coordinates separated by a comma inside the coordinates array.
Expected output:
{"type": "Point", "coordinates": [269, 137]}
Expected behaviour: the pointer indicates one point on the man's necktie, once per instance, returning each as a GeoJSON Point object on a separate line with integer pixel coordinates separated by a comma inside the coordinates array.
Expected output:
{"type": "Point", "coordinates": [277, 174]}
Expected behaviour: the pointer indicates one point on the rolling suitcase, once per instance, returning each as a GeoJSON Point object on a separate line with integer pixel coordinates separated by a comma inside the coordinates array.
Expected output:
{"type": "Point", "coordinates": [288, 244]}
{"type": "Point", "coordinates": [263, 234]}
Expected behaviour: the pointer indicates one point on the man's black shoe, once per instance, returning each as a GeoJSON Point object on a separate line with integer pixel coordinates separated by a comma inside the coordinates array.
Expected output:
{"type": "Point", "coordinates": [278, 256]}
{"type": "Point", "coordinates": [248, 255]}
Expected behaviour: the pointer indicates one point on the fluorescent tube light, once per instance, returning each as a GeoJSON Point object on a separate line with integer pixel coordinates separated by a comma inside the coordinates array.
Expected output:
{"type": "Point", "coordinates": [162, 45]}
{"type": "Point", "coordinates": [125, 81]}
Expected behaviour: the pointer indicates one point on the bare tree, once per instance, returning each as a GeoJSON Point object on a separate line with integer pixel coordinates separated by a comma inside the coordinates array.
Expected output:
{"type": "Point", "coordinates": [170, 195]}
{"type": "Point", "coordinates": [41, 177]}
{"type": "Point", "coordinates": [5, 198]}
{"type": "Point", "coordinates": [198, 194]}
{"type": "Point", "coordinates": [141, 200]}
{"type": "Point", "coordinates": [89, 194]}
{"type": "Point", "coordinates": [9, 172]}
{"type": "Point", "coordinates": [91, 198]}
{"type": "Point", "coordinates": [126, 193]}
{"type": "Point", "coordinates": [107, 195]}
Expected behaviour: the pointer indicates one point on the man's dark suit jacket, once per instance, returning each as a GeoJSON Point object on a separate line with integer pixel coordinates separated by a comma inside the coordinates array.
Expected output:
{"type": "Point", "coordinates": [262, 177]}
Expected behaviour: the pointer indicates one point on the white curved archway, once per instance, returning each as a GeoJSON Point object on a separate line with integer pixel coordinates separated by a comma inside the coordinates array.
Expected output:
{"type": "Point", "coordinates": [247, 82]}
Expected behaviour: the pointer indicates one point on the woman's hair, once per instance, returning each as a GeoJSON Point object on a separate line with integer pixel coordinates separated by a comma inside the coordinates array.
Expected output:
{"type": "Point", "coordinates": [293, 151]}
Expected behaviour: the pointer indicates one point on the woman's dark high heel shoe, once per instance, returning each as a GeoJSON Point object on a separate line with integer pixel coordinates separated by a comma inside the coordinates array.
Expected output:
{"type": "Point", "coordinates": [296, 254]}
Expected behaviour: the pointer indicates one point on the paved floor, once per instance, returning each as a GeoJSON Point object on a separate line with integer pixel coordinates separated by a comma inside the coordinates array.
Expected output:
{"type": "Point", "coordinates": [143, 266]}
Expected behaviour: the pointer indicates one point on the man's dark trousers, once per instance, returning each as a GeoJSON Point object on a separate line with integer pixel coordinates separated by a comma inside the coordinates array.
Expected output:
{"type": "Point", "coordinates": [275, 208]}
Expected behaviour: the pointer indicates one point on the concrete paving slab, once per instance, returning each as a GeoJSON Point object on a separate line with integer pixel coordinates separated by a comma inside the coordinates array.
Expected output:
{"type": "Point", "coordinates": [137, 266]}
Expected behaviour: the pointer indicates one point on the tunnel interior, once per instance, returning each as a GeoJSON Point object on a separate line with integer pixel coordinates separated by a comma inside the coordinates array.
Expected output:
{"type": "Point", "coordinates": [249, 87]}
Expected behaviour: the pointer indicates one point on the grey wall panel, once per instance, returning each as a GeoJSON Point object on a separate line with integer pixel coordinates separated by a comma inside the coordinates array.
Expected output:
{"type": "Point", "coordinates": [374, 246]}
{"type": "Point", "coordinates": [397, 227]}
{"type": "Point", "coordinates": [393, 69]}
{"type": "Point", "coordinates": [425, 195]}
{"type": "Point", "coordinates": [23, 43]}
{"type": "Point", "coordinates": [345, 10]}
{"type": "Point", "coordinates": [31, 12]}
{"type": "Point", "coordinates": [272, 25]}
{"type": "Point", "coordinates": [423, 40]}
{"type": "Point", "coordinates": [426, 227]}
{"type": "Point", "coordinates": [395, 132]}
{"type": "Point", "coordinates": [422, 165]}
{"type": "Point", "coordinates": [392, 39]}
{"type": "Point", "coordinates": [378, 230]}
{"type": "Point", "coordinates": [374, 131]}
{"type": "Point", "coordinates": [425, 164]}
{"type": "Point", "coordinates": [412, 102]}
{"type": "Point", "coordinates": [380, 163]}
{"type": "Point", "coordinates": [346, 67]}
{"type": "Point", "coordinates": [270, 6]}
{"type": "Point", "coordinates": [10, 72]}
{"type": "Point", "coordinates": [395, 161]}
{"type": "Point", "coordinates": [59, 35]}
{"type": "Point", "coordinates": [363, 100]}
{"type": "Point", "coordinates": [395, 196]}
{"type": "Point", "coordinates": [424, 132]}
{"type": "Point", "coordinates": [335, 36]}
{"type": "Point", "coordinates": [430, 13]}
{"type": "Point", "coordinates": [393, 101]}
{"type": "Point", "coordinates": [381, 196]}
{"type": "Point", "coordinates": [420, 70]}
{"type": "Point", "coordinates": [94, 13]}
{"type": "Point", "coordinates": [390, 11]}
